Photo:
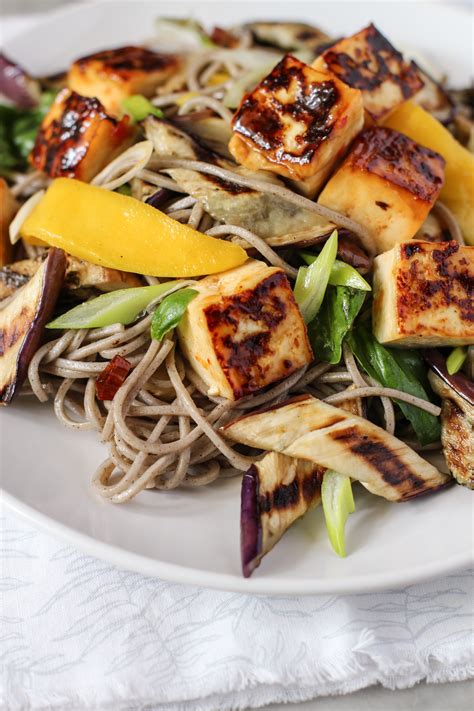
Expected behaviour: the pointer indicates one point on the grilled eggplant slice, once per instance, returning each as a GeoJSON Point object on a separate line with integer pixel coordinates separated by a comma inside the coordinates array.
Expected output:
{"type": "Point", "coordinates": [289, 36]}
{"type": "Point", "coordinates": [113, 74]}
{"type": "Point", "coordinates": [297, 122]}
{"type": "Point", "coordinates": [457, 430]}
{"type": "Point", "coordinates": [368, 62]}
{"type": "Point", "coordinates": [434, 98]}
{"type": "Point", "coordinates": [82, 278]}
{"type": "Point", "coordinates": [423, 295]}
{"type": "Point", "coordinates": [276, 491]}
{"type": "Point", "coordinates": [388, 183]}
{"type": "Point", "coordinates": [23, 320]}
{"type": "Point", "coordinates": [8, 210]}
{"type": "Point", "coordinates": [277, 222]}
{"type": "Point", "coordinates": [307, 428]}
{"type": "Point", "coordinates": [244, 331]}
{"type": "Point", "coordinates": [77, 138]}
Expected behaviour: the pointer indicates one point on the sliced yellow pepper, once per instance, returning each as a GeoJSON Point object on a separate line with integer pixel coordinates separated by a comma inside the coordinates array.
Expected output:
{"type": "Point", "coordinates": [458, 189]}
{"type": "Point", "coordinates": [120, 232]}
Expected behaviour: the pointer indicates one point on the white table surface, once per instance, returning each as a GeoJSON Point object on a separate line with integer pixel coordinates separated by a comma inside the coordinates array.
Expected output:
{"type": "Point", "coordinates": [15, 16]}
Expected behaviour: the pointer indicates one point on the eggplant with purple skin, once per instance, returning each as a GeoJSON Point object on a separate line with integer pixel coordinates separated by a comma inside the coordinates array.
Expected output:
{"type": "Point", "coordinates": [457, 418]}
{"type": "Point", "coordinates": [276, 491]}
{"type": "Point", "coordinates": [23, 320]}
{"type": "Point", "coordinates": [307, 428]}
{"type": "Point", "coordinates": [17, 85]}
{"type": "Point", "coordinates": [278, 222]}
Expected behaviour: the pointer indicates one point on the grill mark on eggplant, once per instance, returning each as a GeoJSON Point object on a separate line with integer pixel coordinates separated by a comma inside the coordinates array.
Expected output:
{"type": "Point", "coordinates": [392, 469]}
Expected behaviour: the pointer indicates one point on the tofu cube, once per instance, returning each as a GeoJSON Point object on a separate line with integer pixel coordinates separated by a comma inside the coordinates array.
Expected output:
{"type": "Point", "coordinates": [244, 330]}
{"type": "Point", "coordinates": [114, 74]}
{"type": "Point", "coordinates": [424, 295]}
{"type": "Point", "coordinates": [368, 62]}
{"type": "Point", "coordinates": [388, 183]}
{"type": "Point", "coordinates": [297, 122]}
{"type": "Point", "coordinates": [77, 138]}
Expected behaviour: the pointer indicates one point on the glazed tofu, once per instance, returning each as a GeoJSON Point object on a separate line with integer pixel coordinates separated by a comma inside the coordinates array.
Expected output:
{"type": "Point", "coordinates": [297, 122]}
{"type": "Point", "coordinates": [114, 74]}
{"type": "Point", "coordinates": [388, 183]}
{"type": "Point", "coordinates": [368, 62]}
{"type": "Point", "coordinates": [244, 330]}
{"type": "Point", "coordinates": [78, 138]}
{"type": "Point", "coordinates": [424, 295]}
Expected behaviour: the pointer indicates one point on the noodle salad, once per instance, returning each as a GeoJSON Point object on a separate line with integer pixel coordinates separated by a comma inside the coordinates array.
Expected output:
{"type": "Point", "coordinates": [245, 252]}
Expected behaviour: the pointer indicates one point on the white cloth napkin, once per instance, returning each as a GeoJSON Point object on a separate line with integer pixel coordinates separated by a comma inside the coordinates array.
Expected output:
{"type": "Point", "coordinates": [76, 633]}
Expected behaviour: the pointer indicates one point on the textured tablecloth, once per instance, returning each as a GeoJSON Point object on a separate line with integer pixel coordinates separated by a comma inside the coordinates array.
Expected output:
{"type": "Point", "coordinates": [76, 633]}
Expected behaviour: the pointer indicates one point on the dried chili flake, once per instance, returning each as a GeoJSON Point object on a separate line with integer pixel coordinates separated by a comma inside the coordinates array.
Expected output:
{"type": "Point", "coordinates": [112, 377]}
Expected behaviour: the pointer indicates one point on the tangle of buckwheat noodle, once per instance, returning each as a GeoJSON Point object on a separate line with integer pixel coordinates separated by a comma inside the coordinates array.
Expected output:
{"type": "Point", "coordinates": [161, 429]}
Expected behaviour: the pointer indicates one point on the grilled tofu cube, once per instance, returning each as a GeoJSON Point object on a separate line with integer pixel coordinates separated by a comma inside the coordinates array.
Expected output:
{"type": "Point", "coordinates": [368, 62]}
{"type": "Point", "coordinates": [78, 138]}
{"type": "Point", "coordinates": [297, 122]}
{"type": "Point", "coordinates": [424, 295]}
{"type": "Point", "coordinates": [388, 183]}
{"type": "Point", "coordinates": [244, 330]}
{"type": "Point", "coordinates": [114, 74]}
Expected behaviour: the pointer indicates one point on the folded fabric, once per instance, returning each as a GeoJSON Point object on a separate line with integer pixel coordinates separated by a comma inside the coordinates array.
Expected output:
{"type": "Point", "coordinates": [77, 633]}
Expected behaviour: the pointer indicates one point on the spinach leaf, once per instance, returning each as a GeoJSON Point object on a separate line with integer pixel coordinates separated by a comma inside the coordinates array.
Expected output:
{"type": "Point", "coordinates": [18, 129]}
{"type": "Point", "coordinates": [170, 312]}
{"type": "Point", "coordinates": [327, 330]}
{"type": "Point", "coordinates": [403, 370]}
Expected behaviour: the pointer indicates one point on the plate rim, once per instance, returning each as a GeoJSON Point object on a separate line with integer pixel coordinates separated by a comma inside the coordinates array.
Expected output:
{"type": "Point", "coordinates": [224, 582]}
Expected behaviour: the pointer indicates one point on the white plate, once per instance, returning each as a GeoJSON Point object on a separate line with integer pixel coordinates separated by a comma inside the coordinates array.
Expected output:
{"type": "Point", "coordinates": [193, 536]}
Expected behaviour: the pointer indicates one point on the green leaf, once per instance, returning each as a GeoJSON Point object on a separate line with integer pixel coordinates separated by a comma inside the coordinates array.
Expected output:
{"type": "Point", "coordinates": [138, 107]}
{"type": "Point", "coordinates": [124, 189]}
{"type": "Point", "coordinates": [342, 274]}
{"type": "Point", "coordinates": [18, 129]}
{"type": "Point", "coordinates": [397, 369]}
{"type": "Point", "coordinates": [311, 282]}
{"type": "Point", "coordinates": [338, 503]}
{"type": "Point", "coordinates": [170, 312]}
{"type": "Point", "coordinates": [455, 360]}
{"type": "Point", "coordinates": [333, 322]}
{"type": "Point", "coordinates": [121, 306]}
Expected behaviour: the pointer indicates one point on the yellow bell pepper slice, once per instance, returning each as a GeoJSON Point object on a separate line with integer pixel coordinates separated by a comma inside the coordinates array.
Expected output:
{"type": "Point", "coordinates": [120, 232]}
{"type": "Point", "coordinates": [458, 189]}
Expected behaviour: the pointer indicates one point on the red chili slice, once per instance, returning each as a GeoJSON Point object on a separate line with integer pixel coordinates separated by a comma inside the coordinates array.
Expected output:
{"type": "Point", "coordinates": [112, 377]}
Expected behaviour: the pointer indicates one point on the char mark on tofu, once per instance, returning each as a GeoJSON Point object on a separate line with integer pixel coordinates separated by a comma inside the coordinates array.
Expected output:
{"type": "Point", "coordinates": [368, 62]}
{"type": "Point", "coordinates": [296, 122]}
{"type": "Point", "coordinates": [309, 429]}
{"type": "Point", "coordinates": [394, 157]}
{"type": "Point", "coordinates": [285, 96]}
{"type": "Point", "coordinates": [244, 330]}
{"type": "Point", "coordinates": [424, 295]}
{"type": "Point", "coordinates": [113, 74]}
{"type": "Point", "coordinates": [78, 138]}
{"type": "Point", "coordinates": [388, 183]}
